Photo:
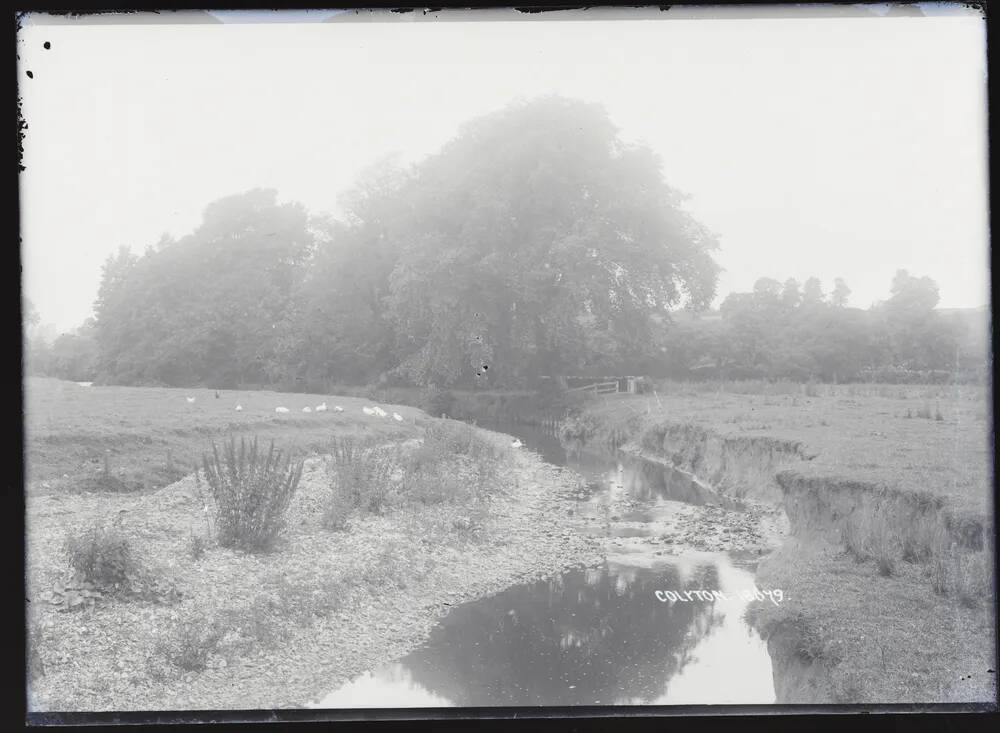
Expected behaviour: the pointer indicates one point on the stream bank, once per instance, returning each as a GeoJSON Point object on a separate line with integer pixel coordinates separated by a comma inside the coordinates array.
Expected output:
{"type": "Point", "coordinates": [382, 586]}
{"type": "Point", "coordinates": [904, 614]}
{"type": "Point", "coordinates": [658, 622]}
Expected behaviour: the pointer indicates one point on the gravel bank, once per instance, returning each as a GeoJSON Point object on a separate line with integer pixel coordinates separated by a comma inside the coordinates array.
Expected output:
{"type": "Point", "coordinates": [95, 659]}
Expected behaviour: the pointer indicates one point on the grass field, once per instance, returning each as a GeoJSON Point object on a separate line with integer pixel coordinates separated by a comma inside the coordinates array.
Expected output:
{"type": "Point", "coordinates": [151, 437]}
{"type": "Point", "coordinates": [881, 434]}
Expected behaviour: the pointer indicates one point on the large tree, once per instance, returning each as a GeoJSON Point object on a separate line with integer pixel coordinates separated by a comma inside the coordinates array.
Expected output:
{"type": "Point", "coordinates": [212, 307]}
{"type": "Point", "coordinates": [345, 331]}
{"type": "Point", "coordinates": [538, 242]}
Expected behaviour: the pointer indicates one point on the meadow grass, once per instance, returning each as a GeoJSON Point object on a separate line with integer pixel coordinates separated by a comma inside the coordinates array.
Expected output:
{"type": "Point", "coordinates": [151, 437]}
{"type": "Point", "coordinates": [855, 432]}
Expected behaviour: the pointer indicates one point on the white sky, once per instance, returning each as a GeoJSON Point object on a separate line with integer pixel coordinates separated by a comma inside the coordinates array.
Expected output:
{"type": "Point", "coordinates": [830, 147]}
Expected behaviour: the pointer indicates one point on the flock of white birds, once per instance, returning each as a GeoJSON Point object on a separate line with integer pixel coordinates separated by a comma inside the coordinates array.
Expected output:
{"type": "Point", "coordinates": [375, 411]}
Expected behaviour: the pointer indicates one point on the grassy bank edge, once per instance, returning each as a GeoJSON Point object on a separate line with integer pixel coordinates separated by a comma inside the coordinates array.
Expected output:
{"type": "Point", "coordinates": [811, 664]}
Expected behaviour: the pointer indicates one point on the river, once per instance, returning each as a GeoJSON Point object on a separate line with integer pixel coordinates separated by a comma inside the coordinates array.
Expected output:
{"type": "Point", "coordinates": [622, 633]}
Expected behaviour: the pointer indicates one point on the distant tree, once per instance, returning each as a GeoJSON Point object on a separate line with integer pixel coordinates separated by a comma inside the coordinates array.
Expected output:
{"type": "Point", "coordinates": [812, 292]}
{"type": "Point", "coordinates": [750, 329]}
{"type": "Point", "coordinates": [912, 297]}
{"type": "Point", "coordinates": [767, 291]}
{"type": "Point", "coordinates": [791, 296]}
{"type": "Point", "coordinates": [31, 317]}
{"type": "Point", "coordinates": [73, 355]}
{"type": "Point", "coordinates": [840, 294]}
{"type": "Point", "coordinates": [915, 335]}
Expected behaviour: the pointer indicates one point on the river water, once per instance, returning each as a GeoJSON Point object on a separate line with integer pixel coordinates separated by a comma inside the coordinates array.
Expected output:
{"type": "Point", "coordinates": [594, 636]}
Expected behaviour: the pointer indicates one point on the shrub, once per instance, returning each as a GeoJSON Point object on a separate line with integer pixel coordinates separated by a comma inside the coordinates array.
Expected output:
{"type": "Point", "coordinates": [252, 492]}
{"type": "Point", "coordinates": [461, 439]}
{"type": "Point", "coordinates": [190, 643]}
{"type": "Point", "coordinates": [481, 457]}
{"type": "Point", "coordinates": [103, 556]}
{"type": "Point", "coordinates": [360, 478]}
{"type": "Point", "coordinates": [338, 507]}
{"type": "Point", "coordinates": [428, 482]}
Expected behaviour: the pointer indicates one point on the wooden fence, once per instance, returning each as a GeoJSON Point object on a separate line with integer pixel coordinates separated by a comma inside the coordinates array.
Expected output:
{"type": "Point", "coordinates": [598, 388]}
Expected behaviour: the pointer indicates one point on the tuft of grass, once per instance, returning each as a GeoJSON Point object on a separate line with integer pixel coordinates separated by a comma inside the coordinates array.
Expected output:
{"type": "Point", "coordinates": [963, 574]}
{"type": "Point", "coordinates": [196, 546]}
{"type": "Point", "coordinates": [263, 620]}
{"type": "Point", "coordinates": [103, 556]}
{"type": "Point", "coordinates": [105, 481]}
{"type": "Point", "coordinates": [189, 643]}
{"type": "Point", "coordinates": [252, 491]}
{"type": "Point", "coordinates": [430, 478]}
{"type": "Point", "coordinates": [461, 439]}
{"type": "Point", "coordinates": [361, 477]}
{"type": "Point", "coordinates": [855, 539]}
{"type": "Point", "coordinates": [871, 535]}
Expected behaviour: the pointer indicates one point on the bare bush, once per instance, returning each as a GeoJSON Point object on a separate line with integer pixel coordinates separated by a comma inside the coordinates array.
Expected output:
{"type": "Point", "coordinates": [102, 555]}
{"type": "Point", "coordinates": [252, 492]}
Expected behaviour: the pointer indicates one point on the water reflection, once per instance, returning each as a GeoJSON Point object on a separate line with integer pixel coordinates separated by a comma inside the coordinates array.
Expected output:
{"type": "Point", "coordinates": [603, 475]}
{"type": "Point", "coordinates": [588, 637]}
{"type": "Point", "coordinates": [597, 636]}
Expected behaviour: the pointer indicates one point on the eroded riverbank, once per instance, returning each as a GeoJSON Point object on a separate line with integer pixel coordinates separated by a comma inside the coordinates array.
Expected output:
{"type": "Point", "coordinates": [889, 589]}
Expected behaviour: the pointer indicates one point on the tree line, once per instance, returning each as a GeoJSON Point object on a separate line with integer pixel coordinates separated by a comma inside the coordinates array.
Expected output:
{"type": "Point", "coordinates": [536, 242]}
{"type": "Point", "coordinates": [788, 331]}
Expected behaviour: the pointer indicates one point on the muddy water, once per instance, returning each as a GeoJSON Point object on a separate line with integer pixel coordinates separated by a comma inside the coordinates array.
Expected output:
{"type": "Point", "coordinates": [600, 635]}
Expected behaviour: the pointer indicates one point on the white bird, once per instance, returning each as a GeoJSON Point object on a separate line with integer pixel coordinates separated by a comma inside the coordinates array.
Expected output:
{"type": "Point", "coordinates": [517, 443]}
{"type": "Point", "coordinates": [380, 412]}
{"type": "Point", "coordinates": [281, 409]}
{"type": "Point", "coordinates": [307, 408]}
{"type": "Point", "coordinates": [189, 399]}
{"type": "Point", "coordinates": [338, 408]}
{"type": "Point", "coordinates": [239, 408]}
{"type": "Point", "coordinates": [321, 408]}
{"type": "Point", "coordinates": [397, 417]}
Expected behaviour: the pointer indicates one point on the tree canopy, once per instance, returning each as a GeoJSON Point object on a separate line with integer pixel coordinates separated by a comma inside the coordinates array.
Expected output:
{"type": "Point", "coordinates": [536, 242]}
